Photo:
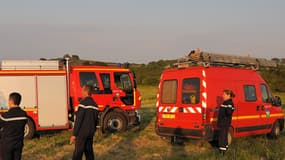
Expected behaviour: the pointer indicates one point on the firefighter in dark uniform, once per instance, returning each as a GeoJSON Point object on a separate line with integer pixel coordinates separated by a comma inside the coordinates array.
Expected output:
{"type": "Point", "coordinates": [225, 119]}
{"type": "Point", "coordinates": [12, 124]}
{"type": "Point", "coordinates": [85, 126]}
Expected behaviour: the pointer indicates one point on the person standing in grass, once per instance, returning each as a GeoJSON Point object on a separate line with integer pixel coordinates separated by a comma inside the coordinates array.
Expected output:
{"type": "Point", "coordinates": [12, 124]}
{"type": "Point", "coordinates": [85, 126]}
{"type": "Point", "coordinates": [225, 119]}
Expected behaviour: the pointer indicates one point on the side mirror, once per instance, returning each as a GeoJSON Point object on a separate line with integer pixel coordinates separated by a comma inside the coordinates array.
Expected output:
{"type": "Point", "coordinates": [277, 101]}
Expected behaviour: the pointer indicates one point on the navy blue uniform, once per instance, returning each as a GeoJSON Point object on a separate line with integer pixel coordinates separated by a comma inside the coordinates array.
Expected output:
{"type": "Point", "coordinates": [84, 129]}
{"type": "Point", "coordinates": [224, 122]}
{"type": "Point", "coordinates": [12, 124]}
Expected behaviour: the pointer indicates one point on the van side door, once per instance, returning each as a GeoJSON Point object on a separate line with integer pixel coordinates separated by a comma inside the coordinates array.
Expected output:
{"type": "Point", "coordinates": [248, 117]}
{"type": "Point", "coordinates": [265, 107]}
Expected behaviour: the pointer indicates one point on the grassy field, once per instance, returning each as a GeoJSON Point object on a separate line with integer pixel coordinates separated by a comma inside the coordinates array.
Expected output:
{"type": "Point", "coordinates": [142, 143]}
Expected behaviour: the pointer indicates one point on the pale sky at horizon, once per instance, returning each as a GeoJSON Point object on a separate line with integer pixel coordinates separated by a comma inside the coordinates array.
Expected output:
{"type": "Point", "coordinates": [140, 31]}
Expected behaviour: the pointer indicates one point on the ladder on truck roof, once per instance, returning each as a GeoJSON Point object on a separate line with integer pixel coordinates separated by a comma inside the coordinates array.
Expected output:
{"type": "Point", "coordinates": [197, 57]}
{"type": "Point", "coordinates": [29, 65]}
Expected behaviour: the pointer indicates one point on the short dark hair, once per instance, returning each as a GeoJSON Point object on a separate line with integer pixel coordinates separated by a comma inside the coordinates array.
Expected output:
{"type": "Point", "coordinates": [88, 88]}
{"type": "Point", "coordinates": [230, 93]}
{"type": "Point", "coordinates": [16, 98]}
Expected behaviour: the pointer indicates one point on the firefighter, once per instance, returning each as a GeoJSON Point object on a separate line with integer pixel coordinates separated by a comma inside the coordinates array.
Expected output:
{"type": "Point", "coordinates": [85, 126]}
{"type": "Point", "coordinates": [224, 119]}
{"type": "Point", "coordinates": [12, 124]}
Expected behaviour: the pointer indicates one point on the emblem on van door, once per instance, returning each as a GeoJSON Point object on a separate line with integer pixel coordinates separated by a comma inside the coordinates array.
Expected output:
{"type": "Point", "coordinates": [267, 112]}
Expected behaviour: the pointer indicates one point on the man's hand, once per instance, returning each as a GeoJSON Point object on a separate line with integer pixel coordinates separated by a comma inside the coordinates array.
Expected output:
{"type": "Point", "coordinates": [72, 139]}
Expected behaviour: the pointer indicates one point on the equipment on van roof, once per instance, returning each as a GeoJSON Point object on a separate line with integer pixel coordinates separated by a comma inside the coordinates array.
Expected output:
{"type": "Point", "coordinates": [197, 57]}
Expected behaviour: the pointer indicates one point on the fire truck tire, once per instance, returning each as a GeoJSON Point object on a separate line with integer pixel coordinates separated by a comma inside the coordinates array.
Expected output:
{"type": "Point", "coordinates": [29, 129]}
{"type": "Point", "coordinates": [230, 136]}
{"type": "Point", "coordinates": [115, 122]}
{"type": "Point", "coordinates": [275, 132]}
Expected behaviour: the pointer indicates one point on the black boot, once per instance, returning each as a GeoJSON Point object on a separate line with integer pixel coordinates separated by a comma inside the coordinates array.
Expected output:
{"type": "Point", "coordinates": [222, 151]}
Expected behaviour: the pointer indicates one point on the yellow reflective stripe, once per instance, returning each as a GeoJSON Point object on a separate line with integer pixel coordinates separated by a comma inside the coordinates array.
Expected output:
{"type": "Point", "coordinates": [101, 69]}
{"type": "Point", "coordinates": [135, 98]}
{"type": "Point", "coordinates": [251, 117]}
{"type": "Point", "coordinates": [248, 117]}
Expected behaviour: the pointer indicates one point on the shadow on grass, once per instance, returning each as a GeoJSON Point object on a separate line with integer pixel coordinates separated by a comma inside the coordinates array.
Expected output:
{"type": "Point", "coordinates": [51, 133]}
{"type": "Point", "coordinates": [125, 148]}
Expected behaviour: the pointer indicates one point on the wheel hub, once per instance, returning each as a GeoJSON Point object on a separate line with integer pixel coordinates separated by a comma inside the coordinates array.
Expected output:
{"type": "Point", "coordinates": [115, 124]}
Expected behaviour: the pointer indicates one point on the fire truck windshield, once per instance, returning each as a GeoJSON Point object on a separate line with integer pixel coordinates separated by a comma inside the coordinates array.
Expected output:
{"type": "Point", "coordinates": [123, 81]}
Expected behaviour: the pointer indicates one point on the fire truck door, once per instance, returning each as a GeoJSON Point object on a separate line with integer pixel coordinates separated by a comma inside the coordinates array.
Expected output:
{"type": "Point", "coordinates": [91, 78]}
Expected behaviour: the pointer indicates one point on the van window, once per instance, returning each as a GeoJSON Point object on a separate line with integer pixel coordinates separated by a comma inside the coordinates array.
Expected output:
{"type": "Point", "coordinates": [249, 92]}
{"type": "Point", "coordinates": [169, 91]}
{"type": "Point", "coordinates": [191, 91]}
{"type": "Point", "coordinates": [266, 95]}
{"type": "Point", "coordinates": [88, 78]}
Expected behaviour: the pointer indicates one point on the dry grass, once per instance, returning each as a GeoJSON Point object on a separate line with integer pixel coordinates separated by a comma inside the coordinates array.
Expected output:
{"type": "Point", "coordinates": [142, 143]}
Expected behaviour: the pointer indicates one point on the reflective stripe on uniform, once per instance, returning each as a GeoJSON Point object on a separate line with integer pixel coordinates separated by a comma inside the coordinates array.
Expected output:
{"type": "Point", "coordinates": [227, 106]}
{"type": "Point", "coordinates": [223, 149]}
{"type": "Point", "coordinates": [12, 119]}
{"type": "Point", "coordinates": [87, 107]}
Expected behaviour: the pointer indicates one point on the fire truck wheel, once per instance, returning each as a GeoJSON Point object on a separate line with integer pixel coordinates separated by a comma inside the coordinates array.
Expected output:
{"type": "Point", "coordinates": [29, 129]}
{"type": "Point", "coordinates": [275, 132]}
{"type": "Point", "coordinates": [230, 135]}
{"type": "Point", "coordinates": [115, 122]}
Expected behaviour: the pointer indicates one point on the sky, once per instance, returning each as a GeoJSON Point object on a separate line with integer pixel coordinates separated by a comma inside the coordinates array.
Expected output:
{"type": "Point", "coordinates": [140, 31]}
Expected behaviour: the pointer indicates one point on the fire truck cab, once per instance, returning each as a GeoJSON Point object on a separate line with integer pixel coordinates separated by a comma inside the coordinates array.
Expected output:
{"type": "Point", "coordinates": [189, 98]}
{"type": "Point", "coordinates": [51, 94]}
{"type": "Point", "coordinates": [115, 92]}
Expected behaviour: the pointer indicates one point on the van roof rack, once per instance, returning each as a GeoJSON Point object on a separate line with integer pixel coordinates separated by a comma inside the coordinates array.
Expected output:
{"type": "Point", "coordinates": [206, 59]}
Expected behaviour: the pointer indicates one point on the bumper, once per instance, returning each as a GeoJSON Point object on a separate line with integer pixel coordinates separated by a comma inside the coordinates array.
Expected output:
{"type": "Point", "coordinates": [206, 133]}
{"type": "Point", "coordinates": [134, 117]}
{"type": "Point", "coordinates": [138, 116]}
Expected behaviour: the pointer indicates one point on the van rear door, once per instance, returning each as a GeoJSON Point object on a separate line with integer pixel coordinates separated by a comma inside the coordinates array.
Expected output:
{"type": "Point", "coordinates": [190, 109]}
{"type": "Point", "coordinates": [179, 110]}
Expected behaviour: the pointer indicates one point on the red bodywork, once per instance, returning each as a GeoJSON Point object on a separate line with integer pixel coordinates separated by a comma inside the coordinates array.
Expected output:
{"type": "Point", "coordinates": [103, 99]}
{"type": "Point", "coordinates": [111, 99]}
{"type": "Point", "coordinates": [189, 105]}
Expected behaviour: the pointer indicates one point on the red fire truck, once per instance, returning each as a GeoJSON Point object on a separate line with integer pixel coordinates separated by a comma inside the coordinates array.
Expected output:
{"type": "Point", "coordinates": [51, 94]}
{"type": "Point", "coordinates": [189, 96]}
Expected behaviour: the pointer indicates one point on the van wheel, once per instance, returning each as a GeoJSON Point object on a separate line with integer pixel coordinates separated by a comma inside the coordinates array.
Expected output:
{"type": "Point", "coordinates": [230, 136]}
{"type": "Point", "coordinates": [115, 122]}
{"type": "Point", "coordinates": [29, 131]}
{"type": "Point", "coordinates": [275, 132]}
